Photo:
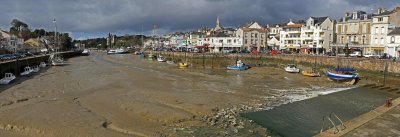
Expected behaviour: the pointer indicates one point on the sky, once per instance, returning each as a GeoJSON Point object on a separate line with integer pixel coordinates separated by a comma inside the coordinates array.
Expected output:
{"type": "Point", "coordinates": [85, 19]}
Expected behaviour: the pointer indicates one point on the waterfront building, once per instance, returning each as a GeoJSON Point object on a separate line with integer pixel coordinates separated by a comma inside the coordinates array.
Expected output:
{"type": "Point", "coordinates": [274, 36]}
{"type": "Point", "coordinates": [254, 36]}
{"type": "Point", "coordinates": [354, 31]}
{"type": "Point", "coordinates": [11, 42]}
{"type": "Point", "coordinates": [393, 43]}
{"type": "Point", "coordinates": [290, 37]}
{"type": "Point", "coordinates": [220, 41]}
{"type": "Point", "coordinates": [317, 35]}
{"type": "Point", "coordinates": [382, 24]}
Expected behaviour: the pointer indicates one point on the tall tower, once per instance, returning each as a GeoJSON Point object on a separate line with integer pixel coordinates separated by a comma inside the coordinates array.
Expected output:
{"type": "Point", "coordinates": [218, 25]}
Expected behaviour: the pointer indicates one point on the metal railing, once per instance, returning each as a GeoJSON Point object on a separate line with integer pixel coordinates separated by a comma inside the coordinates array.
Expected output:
{"type": "Point", "coordinates": [331, 123]}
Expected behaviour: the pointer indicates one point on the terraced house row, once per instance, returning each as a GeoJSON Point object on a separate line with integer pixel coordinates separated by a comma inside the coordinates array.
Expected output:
{"type": "Point", "coordinates": [368, 33]}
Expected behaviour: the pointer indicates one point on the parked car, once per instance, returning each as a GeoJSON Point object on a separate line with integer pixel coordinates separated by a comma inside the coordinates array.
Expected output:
{"type": "Point", "coordinates": [371, 55]}
{"type": "Point", "coordinates": [330, 54]}
{"type": "Point", "coordinates": [355, 54]}
{"type": "Point", "coordinates": [385, 56]}
{"type": "Point", "coordinates": [244, 51]}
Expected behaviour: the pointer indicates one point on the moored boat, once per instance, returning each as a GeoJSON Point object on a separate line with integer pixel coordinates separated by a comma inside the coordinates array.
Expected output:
{"type": "Point", "coordinates": [292, 68]}
{"type": "Point", "coordinates": [239, 66]}
{"type": "Point", "coordinates": [42, 64]}
{"type": "Point", "coordinates": [27, 71]}
{"type": "Point", "coordinates": [85, 52]}
{"type": "Point", "coordinates": [183, 65]}
{"type": "Point", "coordinates": [310, 73]}
{"type": "Point", "coordinates": [35, 69]}
{"type": "Point", "coordinates": [161, 59]}
{"type": "Point", "coordinates": [8, 78]}
{"type": "Point", "coordinates": [343, 74]}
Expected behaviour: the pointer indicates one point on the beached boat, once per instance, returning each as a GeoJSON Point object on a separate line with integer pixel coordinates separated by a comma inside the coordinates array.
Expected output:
{"type": "Point", "coordinates": [58, 61]}
{"type": "Point", "coordinates": [35, 69]}
{"type": "Point", "coordinates": [8, 78]}
{"type": "Point", "coordinates": [42, 64]}
{"type": "Point", "coordinates": [171, 62]}
{"type": "Point", "coordinates": [292, 68]}
{"type": "Point", "coordinates": [183, 65]}
{"type": "Point", "coordinates": [239, 66]}
{"type": "Point", "coordinates": [343, 74]}
{"type": "Point", "coordinates": [85, 52]}
{"type": "Point", "coordinates": [27, 71]}
{"type": "Point", "coordinates": [117, 51]}
{"type": "Point", "coordinates": [150, 57]}
{"type": "Point", "coordinates": [161, 59]}
{"type": "Point", "coordinates": [311, 73]}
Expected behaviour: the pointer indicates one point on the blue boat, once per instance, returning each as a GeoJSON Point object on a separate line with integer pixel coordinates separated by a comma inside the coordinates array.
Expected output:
{"type": "Point", "coordinates": [343, 74]}
{"type": "Point", "coordinates": [235, 67]}
{"type": "Point", "coordinates": [239, 66]}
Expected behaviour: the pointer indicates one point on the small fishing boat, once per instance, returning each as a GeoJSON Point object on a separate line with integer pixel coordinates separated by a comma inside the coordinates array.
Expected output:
{"type": "Point", "coordinates": [343, 74]}
{"type": "Point", "coordinates": [183, 65]}
{"type": "Point", "coordinates": [171, 62]}
{"type": "Point", "coordinates": [58, 61]}
{"type": "Point", "coordinates": [311, 73]}
{"type": "Point", "coordinates": [239, 66]}
{"type": "Point", "coordinates": [150, 57]}
{"type": "Point", "coordinates": [35, 69]}
{"type": "Point", "coordinates": [160, 59]}
{"type": "Point", "coordinates": [27, 71]}
{"type": "Point", "coordinates": [292, 68]}
{"type": "Point", "coordinates": [85, 52]}
{"type": "Point", "coordinates": [42, 64]}
{"type": "Point", "coordinates": [116, 51]}
{"type": "Point", "coordinates": [8, 78]}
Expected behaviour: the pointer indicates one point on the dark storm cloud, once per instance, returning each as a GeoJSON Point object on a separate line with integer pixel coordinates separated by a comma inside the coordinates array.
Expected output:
{"type": "Point", "coordinates": [89, 17]}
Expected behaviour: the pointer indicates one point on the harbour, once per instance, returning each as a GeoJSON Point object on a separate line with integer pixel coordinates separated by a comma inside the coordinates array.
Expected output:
{"type": "Point", "coordinates": [137, 90]}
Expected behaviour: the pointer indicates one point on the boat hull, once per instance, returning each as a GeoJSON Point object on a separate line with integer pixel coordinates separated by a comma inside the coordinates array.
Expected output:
{"type": "Point", "coordinates": [234, 67]}
{"type": "Point", "coordinates": [183, 65]}
{"type": "Point", "coordinates": [342, 77]}
{"type": "Point", "coordinates": [310, 74]}
{"type": "Point", "coordinates": [292, 70]}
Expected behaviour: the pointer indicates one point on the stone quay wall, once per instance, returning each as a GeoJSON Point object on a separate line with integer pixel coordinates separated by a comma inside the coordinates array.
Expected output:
{"type": "Point", "coordinates": [219, 60]}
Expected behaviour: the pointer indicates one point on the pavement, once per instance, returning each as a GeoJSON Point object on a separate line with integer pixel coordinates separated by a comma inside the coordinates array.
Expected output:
{"type": "Point", "coordinates": [381, 122]}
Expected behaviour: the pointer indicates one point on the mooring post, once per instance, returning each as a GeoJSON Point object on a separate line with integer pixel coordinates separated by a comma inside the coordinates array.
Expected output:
{"type": "Point", "coordinates": [385, 73]}
{"type": "Point", "coordinates": [203, 61]}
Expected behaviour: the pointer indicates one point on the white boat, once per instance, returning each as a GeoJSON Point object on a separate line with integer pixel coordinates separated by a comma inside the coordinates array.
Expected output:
{"type": "Point", "coordinates": [291, 68]}
{"type": "Point", "coordinates": [27, 71]}
{"type": "Point", "coordinates": [59, 61]}
{"type": "Point", "coordinates": [8, 78]}
{"type": "Point", "coordinates": [116, 51]}
{"type": "Point", "coordinates": [36, 69]}
{"type": "Point", "coordinates": [85, 52]}
{"type": "Point", "coordinates": [42, 64]}
{"type": "Point", "coordinates": [171, 62]}
{"type": "Point", "coordinates": [161, 59]}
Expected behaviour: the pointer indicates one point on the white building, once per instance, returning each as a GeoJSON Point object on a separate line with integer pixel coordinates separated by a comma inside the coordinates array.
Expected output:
{"type": "Point", "coordinates": [393, 43]}
{"type": "Point", "coordinates": [290, 36]}
{"type": "Point", "coordinates": [254, 36]}
{"type": "Point", "coordinates": [11, 42]}
{"type": "Point", "coordinates": [317, 35]}
{"type": "Point", "coordinates": [382, 24]}
{"type": "Point", "coordinates": [221, 41]}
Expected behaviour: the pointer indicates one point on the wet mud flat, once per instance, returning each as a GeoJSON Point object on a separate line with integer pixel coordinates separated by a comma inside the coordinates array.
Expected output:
{"type": "Point", "coordinates": [305, 118]}
{"type": "Point", "coordinates": [123, 95]}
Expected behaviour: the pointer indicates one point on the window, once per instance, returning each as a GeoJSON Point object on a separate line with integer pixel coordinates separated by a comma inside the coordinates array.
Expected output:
{"type": "Point", "coordinates": [342, 40]}
{"type": "Point", "coordinates": [229, 41]}
{"type": "Point", "coordinates": [252, 41]}
{"type": "Point", "coordinates": [380, 19]}
{"type": "Point", "coordinates": [221, 41]}
{"type": "Point", "coordinates": [392, 39]}
{"type": "Point", "coordinates": [376, 30]}
{"type": "Point", "coordinates": [376, 40]}
{"type": "Point", "coordinates": [383, 30]}
{"type": "Point", "coordinates": [245, 35]}
{"type": "Point", "coordinates": [245, 41]}
{"type": "Point", "coordinates": [257, 42]}
{"type": "Point", "coordinates": [234, 41]}
{"type": "Point", "coordinates": [252, 34]}
{"type": "Point", "coordinates": [363, 40]}
{"type": "Point", "coordinates": [262, 35]}
{"type": "Point", "coordinates": [256, 35]}
{"type": "Point", "coordinates": [382, 41]}
{"type": "Point", "coordinates": [349, 40]}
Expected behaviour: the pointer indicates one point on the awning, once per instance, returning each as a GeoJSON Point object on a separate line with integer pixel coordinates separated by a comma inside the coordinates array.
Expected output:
{"type": "Point", "coordinates": [201, 47]}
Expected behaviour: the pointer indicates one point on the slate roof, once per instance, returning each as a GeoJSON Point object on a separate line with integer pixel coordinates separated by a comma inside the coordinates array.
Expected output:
{"type": "Point", "coordinates": [319, 20]}
{"type": "Point", "coordinates": [396, 31]}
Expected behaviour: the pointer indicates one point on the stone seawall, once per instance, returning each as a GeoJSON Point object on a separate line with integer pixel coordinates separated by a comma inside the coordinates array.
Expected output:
{"type": "Point", "coordinates": [222, 60]}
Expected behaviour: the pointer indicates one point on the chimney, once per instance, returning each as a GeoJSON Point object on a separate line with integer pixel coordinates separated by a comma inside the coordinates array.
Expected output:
{"type": "Point", "coordinates": [380, 10]}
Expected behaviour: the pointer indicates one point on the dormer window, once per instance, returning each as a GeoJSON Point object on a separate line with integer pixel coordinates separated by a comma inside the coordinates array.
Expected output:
{"type": "Point", "coordinates": [392, 39]}
{"type": "Point", "coordinates": [380, 19]}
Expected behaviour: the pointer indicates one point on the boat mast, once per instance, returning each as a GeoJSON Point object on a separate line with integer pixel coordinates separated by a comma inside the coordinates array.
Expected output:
{"type": "Point", "coordinates": [55, 36]}
{"type": "Point", "coordinates": [337, 56]}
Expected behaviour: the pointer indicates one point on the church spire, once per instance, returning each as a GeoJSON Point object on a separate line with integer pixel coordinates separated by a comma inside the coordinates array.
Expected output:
{"type": "Point", "coordinates": [218, 24]}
